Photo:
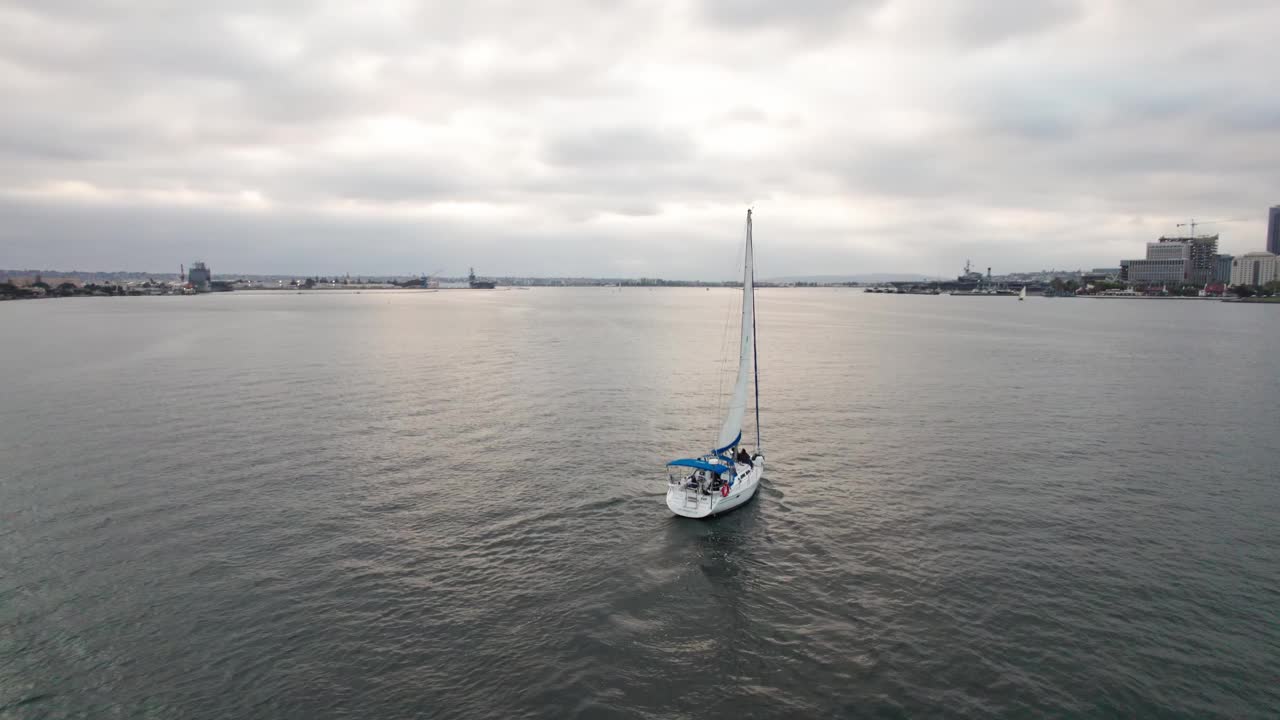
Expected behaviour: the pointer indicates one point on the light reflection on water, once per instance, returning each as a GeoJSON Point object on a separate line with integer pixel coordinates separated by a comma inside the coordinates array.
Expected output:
{"type": "Point", "coordinates": [283, 505]}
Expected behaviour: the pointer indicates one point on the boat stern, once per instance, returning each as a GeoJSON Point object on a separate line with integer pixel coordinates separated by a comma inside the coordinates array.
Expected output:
{"type": "Point", "coordinates": [689, 502]}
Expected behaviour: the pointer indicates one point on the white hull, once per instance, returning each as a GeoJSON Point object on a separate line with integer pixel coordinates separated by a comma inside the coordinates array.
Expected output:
{"type": "Point", "coordinates": [692, 503]}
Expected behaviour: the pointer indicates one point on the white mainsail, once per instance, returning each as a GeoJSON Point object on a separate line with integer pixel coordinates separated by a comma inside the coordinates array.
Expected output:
{"type": "Point", "coordinates": [732, 428]}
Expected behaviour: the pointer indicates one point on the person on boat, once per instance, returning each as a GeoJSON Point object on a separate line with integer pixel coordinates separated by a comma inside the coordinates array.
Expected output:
{"type": "Point", "coordinates": [744, 457]}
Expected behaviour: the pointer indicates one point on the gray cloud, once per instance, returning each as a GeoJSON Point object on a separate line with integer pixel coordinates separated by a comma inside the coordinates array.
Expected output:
{"type": "Point", "coordinates": [991, 22]}
{"type": "Point", "coordinates": [625, 147]}
{"type": "Point", "coordinates": [806, 15]}
{"type": "Point", "coordinates": [584, 137]}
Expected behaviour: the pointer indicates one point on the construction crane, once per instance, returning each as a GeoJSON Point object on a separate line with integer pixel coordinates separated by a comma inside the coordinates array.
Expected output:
{"type": "Point", "coordinates": [1193, 223]}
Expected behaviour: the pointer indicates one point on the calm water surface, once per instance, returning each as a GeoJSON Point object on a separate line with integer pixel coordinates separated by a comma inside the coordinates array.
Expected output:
{"type": "Point", "coordinates": [398, 504]}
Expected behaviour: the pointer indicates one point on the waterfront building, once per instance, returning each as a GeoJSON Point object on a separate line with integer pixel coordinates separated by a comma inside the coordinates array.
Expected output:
{"type": "Point", "coordinates": [1255, 268]}
{"type": "Point", "coordinates": [1175, 260]}
{"type": "Point", "coordinates": [1168, 249]}
{"type": "Point", "coordinates": [1204, 254]}
{"type": "Point", "coordinates": [1273, 230]}
{"type": "Point", "coordinates": [1107, 275]}
{"type": "Point", "coordinates": [1200, 253]}
{"type": "Point", "coordinates": [1167, 262]}
{"type": "Point", "coordinates": [1172, 271]}
{"type": "Point", "coordinates": [1222, 269]}
{"type": "Point", "coordinates": [200, 277]}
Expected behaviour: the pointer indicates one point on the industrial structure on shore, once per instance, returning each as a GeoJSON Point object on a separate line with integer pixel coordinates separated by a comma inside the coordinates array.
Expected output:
{"type": "Point", "coordinates": [479, 284]}
{"type": "Point", "coordinates": [199, 278]}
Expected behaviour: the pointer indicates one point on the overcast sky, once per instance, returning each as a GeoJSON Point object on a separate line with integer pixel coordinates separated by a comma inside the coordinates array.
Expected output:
{"type": "Point", "coordinates": [626, 139]}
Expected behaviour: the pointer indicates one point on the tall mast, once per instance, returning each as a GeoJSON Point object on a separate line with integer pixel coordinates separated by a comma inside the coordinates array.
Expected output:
{"type": "Point", "coordinates": [755, 338]}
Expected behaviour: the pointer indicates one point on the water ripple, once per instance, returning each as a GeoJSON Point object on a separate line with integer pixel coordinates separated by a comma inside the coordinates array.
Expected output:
{"type": "Point", "coordinates": [449, 505]}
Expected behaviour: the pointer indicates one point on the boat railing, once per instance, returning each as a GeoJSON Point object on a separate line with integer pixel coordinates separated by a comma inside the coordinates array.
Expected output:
{"type": "Point", "coordinates": [695, 489]}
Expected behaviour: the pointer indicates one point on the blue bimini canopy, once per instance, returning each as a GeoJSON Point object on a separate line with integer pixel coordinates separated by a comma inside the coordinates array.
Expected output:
{"type": "Point", "coordinates": [701, 465]}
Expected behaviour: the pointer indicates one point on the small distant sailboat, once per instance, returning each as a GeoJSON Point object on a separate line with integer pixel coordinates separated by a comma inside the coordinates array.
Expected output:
{"type": "Point", "coordinates": [1022, 294]}
{"type": "Point", "coordinates": [729, 475]}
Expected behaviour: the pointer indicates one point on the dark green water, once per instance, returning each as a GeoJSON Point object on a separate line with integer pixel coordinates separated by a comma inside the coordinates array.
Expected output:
{"type": "Point", "coordinates": [451, 505]}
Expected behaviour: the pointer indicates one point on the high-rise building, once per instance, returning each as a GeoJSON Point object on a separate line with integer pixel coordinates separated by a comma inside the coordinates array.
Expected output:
{"type": "Point", "coordinates": [1273, 230]}
{"type": "Point", "coordinates": [1200, 251]}
{"type": "Point", "coordinates": [1167, 263]}
{"type": "Point", "coordinates": [1204, 254]}
{"type": "Point", "coordinates": [1176, 260]}
{"type": "Point", "coordinates": [1169, 249]}
{"type": "Point", "coordinates": [1222, 269]}
{"type": "Point", "coordinates": [1255, 268]}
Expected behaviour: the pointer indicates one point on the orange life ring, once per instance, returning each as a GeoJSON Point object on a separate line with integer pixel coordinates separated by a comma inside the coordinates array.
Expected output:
{"type": "Point", "coordinates": [724, 491]}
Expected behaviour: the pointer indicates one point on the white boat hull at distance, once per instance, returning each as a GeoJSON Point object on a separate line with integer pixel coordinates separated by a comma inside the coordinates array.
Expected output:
{"type": "Point", "coordinates": [691, 502]}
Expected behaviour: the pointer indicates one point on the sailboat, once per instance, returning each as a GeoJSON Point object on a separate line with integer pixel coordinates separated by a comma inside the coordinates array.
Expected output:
{"type": "Point", "coordinates": [1022, 294]}
{"type": "Point", "coordinates": [729, 475]}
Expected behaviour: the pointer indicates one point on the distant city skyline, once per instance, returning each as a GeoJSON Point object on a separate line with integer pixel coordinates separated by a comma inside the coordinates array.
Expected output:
{"type": "Point", "coordinates": [574, 138]}
{"type": "Point", "coordinates": [814, 277]}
